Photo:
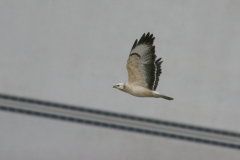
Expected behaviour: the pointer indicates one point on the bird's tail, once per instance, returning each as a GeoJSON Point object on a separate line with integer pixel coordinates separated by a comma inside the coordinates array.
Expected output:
{"type": "Point", "coordinates": [157, 95]}
{"type": "Point", "coordinates": [165, 97]}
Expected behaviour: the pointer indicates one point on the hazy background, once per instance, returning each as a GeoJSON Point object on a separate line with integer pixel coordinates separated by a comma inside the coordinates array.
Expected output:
{"type": "Point", "coordinates": [73, 52]}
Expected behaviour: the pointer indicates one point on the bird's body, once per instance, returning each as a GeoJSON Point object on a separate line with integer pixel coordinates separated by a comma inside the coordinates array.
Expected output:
{"type": "Point", "coordinates": [138, 91]}
{"type": "Point", "coordinates": [143, 70]}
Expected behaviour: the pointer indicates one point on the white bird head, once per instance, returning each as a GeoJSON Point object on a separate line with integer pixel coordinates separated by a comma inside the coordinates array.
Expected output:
{"type": "Point", "coordinates": [120, 86]}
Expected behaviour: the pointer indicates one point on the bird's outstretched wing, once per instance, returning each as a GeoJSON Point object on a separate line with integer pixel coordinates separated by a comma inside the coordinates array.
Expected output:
{"type": "Point", "coordinates": [143, 68]}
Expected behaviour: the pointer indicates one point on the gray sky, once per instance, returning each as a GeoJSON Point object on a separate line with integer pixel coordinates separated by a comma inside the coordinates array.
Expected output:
{"type": "Point", "coordinates": [73, 52]}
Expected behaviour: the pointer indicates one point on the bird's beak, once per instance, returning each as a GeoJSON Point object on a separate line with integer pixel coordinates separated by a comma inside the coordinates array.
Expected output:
{"type": "Point", "coordinates": [114, 86]}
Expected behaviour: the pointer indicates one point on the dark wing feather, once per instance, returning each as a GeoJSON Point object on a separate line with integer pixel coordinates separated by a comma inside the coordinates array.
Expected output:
{"type": "Point", "coordinates": [159, 71]}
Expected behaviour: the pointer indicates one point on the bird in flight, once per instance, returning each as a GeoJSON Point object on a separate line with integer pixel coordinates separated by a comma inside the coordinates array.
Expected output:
{"type": "Point", "coordinates": [143, 70]}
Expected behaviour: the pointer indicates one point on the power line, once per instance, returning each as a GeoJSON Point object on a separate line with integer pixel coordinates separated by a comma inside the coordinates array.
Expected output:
{"type": "Point", "coordinates": [119, 121]}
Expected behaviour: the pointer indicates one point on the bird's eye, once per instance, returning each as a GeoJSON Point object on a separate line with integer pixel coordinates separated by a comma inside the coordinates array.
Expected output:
{"type": "Point", "coordinates": [117, 85]}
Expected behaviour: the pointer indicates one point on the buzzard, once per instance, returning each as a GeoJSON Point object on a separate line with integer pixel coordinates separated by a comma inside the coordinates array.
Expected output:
{"type": "Point", "coordinates": [143, 70]}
